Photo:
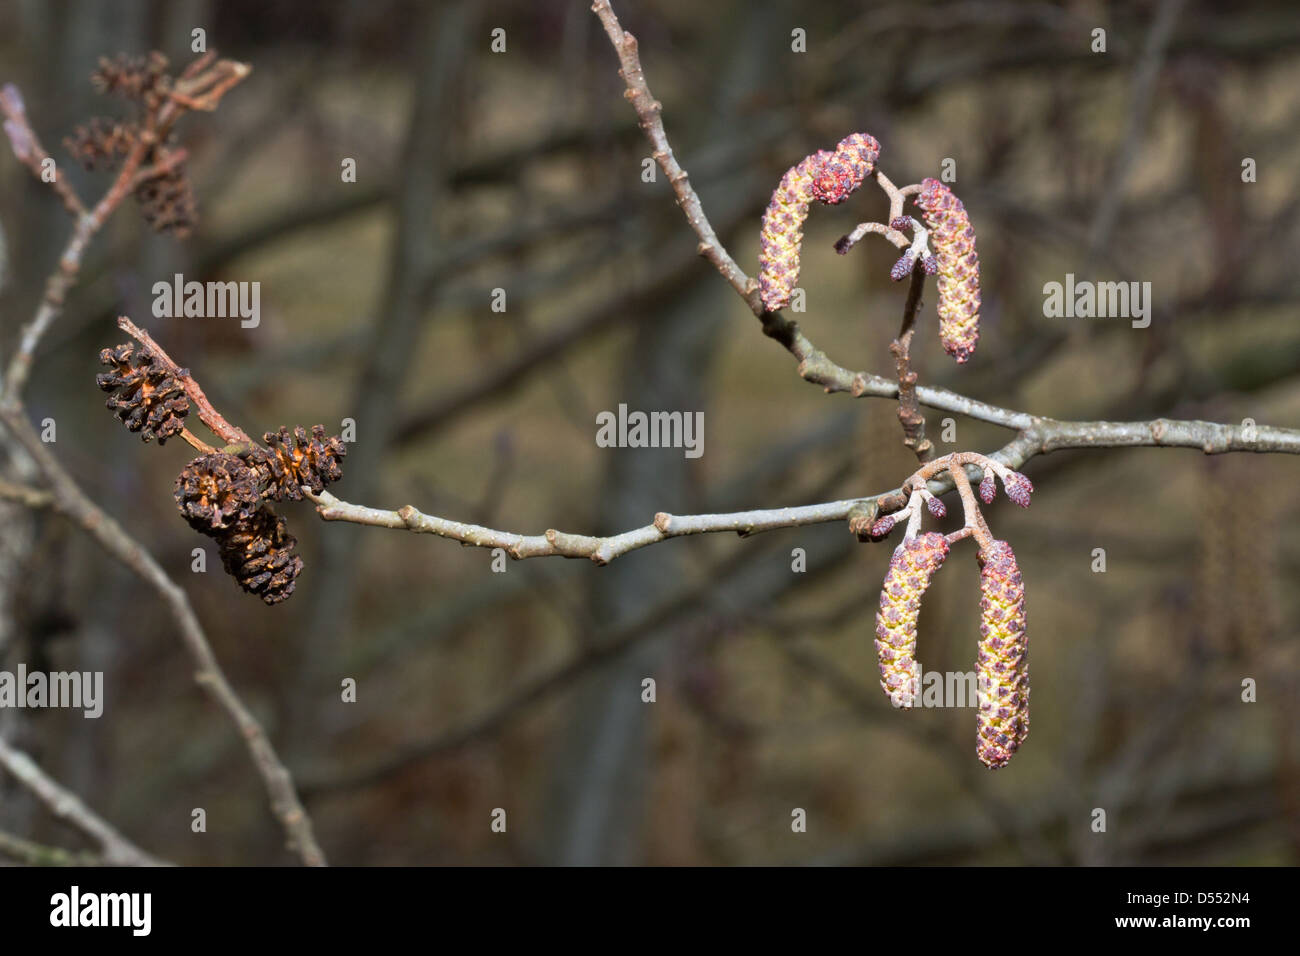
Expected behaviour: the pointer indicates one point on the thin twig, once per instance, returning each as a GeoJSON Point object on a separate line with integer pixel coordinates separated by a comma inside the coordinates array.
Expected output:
{"type": "Point", "coordinates": [600, 550]}
{"type": "Point", "coordinates": [71, 501]}
{"type": "Point", "coordinates": [68, 807]}
{"type": "Point", "coordinates": [24, 495]}
{"type": "Point", "coordinates": [37, 854]}
{"type": "Point", "coordinates": [909, 412]}
{"type": "Point", "coordinates": [1042, 436]}
{"type": "Point", "coordinates": [230, 434]}
{"type": "Point", "coordinates": [212, 83]}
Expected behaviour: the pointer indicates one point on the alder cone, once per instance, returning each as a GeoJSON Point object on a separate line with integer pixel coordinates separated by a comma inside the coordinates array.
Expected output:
{"type": "Point", "coordinates": [953, 239]}
{"type": "Point", "coordinates": [258, 553]}
{"type": "Point", "coordinates": [297, 458]}
{"type": "Point", "coordinates": [146, 396]}
{"type": "Point", "coordinates": [101, 143]}
{"type": "Point", "coordinates": [131, 77]}
{"type": "Point", "coordinates": [215, 492]}
{"type": "Point", "coordinates": [167, 203]}
{"type": "Point", "coordinates": [911, 570]}
{"type": "Point", "coordinates": [1002, 662]}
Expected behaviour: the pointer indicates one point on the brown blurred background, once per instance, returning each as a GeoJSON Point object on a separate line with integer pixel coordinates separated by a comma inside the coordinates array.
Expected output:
{"type": "Point", "coordinates": [521, 690]}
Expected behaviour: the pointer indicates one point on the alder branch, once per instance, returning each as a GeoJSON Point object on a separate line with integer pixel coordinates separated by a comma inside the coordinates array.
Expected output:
{"type": "Point", "coordinates": [230, 434]}
{"type": "Point", "coordinates": [35, 854]}
{"type": "Point", "coordinates": [67, 806]}
{"type": "Point", "coordinates": [25, 495]}
{"type": "Point", "coordinates": [816, 367]}
{"type": "Point", "coordinates": [909, 414]}
{"type": "Point", "coordinates": [600, 550]}
{"type": "Point", "coordinates": [1040, 437]}
{"type": "Point", "coordinates": [73, 503]}
{"type": "Point", "coordinates": [200, 86]}
{"type": "Point", "coordinates": [1037, 435]}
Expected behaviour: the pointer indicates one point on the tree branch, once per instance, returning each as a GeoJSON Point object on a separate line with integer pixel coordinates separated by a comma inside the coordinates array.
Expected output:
{"type": "Point", "coordinates": [909, 414]}
{"type": "Point", "coordinates": [67, 806]}
{"type": "Point", "coordinates": [1043, 435]}
{"type": "Point", "coordinates": [71, 501]}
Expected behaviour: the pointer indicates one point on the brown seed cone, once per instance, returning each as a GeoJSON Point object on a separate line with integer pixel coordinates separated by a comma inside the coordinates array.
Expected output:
{"type": "Point", "coordinates": [167, 203]}
{"type": "Point", "coordinates": [131, 77]}
{"type": "Point", "coordinates": [1002, 662]}
{"type": "Point", "coordinates": [297, 459]}
{"type": "Point", "coordinates": [257, 553]}
{"type": "Point", "coordinates": [147, 398]}
{"type": "Point", "coordinates": [101, 143]}
{"type": "Point", "coordinates": [215, 492]}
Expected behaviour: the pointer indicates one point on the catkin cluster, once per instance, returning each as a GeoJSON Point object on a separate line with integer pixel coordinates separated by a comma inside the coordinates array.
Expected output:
{"type": "Point", "coordinates": [226, 496]}
{"type": "Point", "coordinates": [830, 177]}
{"type": "Point", "coordinates": [825, 177]}
{"type": "Point", "coordinates": [1002, 661]}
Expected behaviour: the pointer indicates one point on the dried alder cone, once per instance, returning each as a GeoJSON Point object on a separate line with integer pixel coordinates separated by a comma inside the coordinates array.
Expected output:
{"type": "Point", "coordinates": [297, 459]}
{"type": "Point", "coordinates": [953, 239]}
{"type": "Point", "coordinates": [1002, 662]}
{"type": "Point", "coordinates": [825, 176]}
{"type": "Point", "coordinates": [131, 77]}
{"type": "Point", "coordinates": [911, 570]}
{"type": "Point", "coordinates": [224, 493]}
{"type": "Point", "coordinates": [146, 396]}
{"type": "Point", "coordinates": [166, 198]}
{"type": "Point", "coordinates": [214, 492]}
{"type": "Point", "coordinates": [258, 554]}
{"type": "Point", "coordinates": [167, 203]}
{"type": "Point", "coordinates": [102, 143]}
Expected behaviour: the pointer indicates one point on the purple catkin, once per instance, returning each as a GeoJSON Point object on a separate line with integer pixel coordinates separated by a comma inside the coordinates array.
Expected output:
{"type": "Point", "coordinates": [953, 241]}
{"type": "Point", "coordinates": [902, 268]}
{"type": "Point", "coordinates": [911, 569]}
{"type": "Point", "coordinates": [1019, 488]}
{"type": "Point", "coordinates": [825, 176]}
{"type": "Point", "coordinates": [881, 528]}
{"type": "Point", "coordinates": [988, 488]}
{"type": "Point", "coordinates": [1002, 660]}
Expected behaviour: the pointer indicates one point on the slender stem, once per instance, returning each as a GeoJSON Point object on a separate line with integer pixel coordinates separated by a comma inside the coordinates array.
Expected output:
{"type": "Point", "coordinates": [974, 518]}
{"type": "Point", "coordinates": [909, 412]}
{"type": "Point", "coordinates": [230, 434]}
{"type": "Point", "coordinates": [72, 502]}
{"type": "Point", "coordinates": [68, 807]}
